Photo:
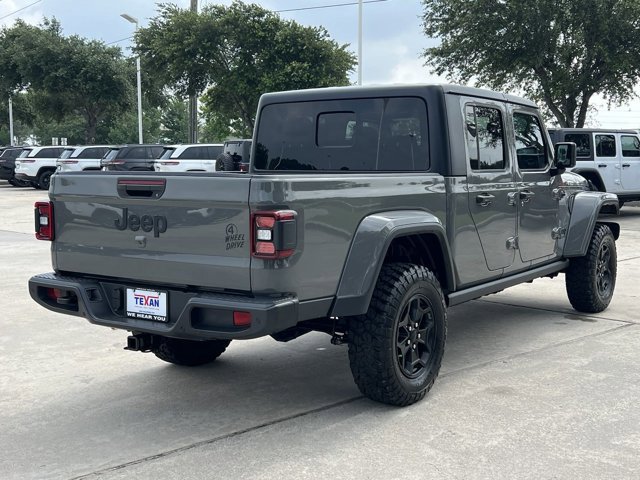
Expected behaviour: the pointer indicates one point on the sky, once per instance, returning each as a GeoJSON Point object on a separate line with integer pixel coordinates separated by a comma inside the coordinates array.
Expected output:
{"type": "Point", "coordinates": [393, 39]}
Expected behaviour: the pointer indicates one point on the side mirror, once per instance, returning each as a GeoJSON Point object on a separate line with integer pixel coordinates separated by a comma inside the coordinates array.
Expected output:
{"type": "Point", "coordinates": [565, 155]}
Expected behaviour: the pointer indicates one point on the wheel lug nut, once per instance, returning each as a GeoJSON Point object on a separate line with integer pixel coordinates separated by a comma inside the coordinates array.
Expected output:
{"type": "Point", "coordinates": [408, 342]}
{"type": "Point", "coordinates": [418, 335]}
{"type": "Point", "coordinates": [414, 346]}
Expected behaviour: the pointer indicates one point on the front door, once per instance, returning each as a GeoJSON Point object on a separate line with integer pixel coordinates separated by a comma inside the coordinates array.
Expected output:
{"type": "Point", "coordinates": [491, 183]}
{"type": "Point", "coordinates": [537, 200]}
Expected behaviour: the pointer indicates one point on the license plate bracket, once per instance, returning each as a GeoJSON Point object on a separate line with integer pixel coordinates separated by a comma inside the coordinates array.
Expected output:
{"type": "Point", "coordinates": [146, 304]}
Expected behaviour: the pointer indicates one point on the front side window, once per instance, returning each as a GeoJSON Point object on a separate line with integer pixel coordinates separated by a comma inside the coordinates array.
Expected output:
{"type": "Point", "coordinates": [583, 149]}
{"type": "Point", "coordinates": [530, 145]}
{"type": "Point", "coordinates": [374, 134]}
{"type": "Point", "coordinates": [606, 145]}
{"type": "Point", "coordinates": [485, 138]}
{"type": "Point", "coordinates": [630, 146]}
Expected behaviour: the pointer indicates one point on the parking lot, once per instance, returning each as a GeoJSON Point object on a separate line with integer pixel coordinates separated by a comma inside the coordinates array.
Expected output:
{"type": "Point", "coordinates": [529, 388]}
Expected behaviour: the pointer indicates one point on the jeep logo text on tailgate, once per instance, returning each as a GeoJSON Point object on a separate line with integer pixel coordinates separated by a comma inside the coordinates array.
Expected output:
{"type": "Point", "coordinates": [157, 223]}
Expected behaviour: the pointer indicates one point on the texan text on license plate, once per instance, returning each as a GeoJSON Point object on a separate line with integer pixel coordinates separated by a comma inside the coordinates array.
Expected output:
{"type": "Point", "coordinates": [147, 304]}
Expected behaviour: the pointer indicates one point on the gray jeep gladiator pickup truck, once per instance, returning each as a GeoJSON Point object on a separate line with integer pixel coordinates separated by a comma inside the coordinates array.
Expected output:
{"type": "Point", "coordinates": [366, 212]}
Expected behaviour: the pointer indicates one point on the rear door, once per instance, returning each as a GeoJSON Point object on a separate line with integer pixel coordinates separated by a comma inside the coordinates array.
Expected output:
{"type": "Point", "coordinates": [608, 159]}
{"type": "Point", "coordinates": [491, 182]}
{"type": "Point", "coordinates": [630, 171]}
{"type": "Point", "coordinates": [158, 229]}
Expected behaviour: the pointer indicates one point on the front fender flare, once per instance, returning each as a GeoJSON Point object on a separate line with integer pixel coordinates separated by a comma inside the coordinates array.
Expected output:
{"type": "Point", "coordinates": [585, 209]}
{"type": "Point", "coordinates": [367, 253]}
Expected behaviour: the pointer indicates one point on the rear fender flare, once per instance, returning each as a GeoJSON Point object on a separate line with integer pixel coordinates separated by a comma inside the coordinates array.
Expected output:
{"type": "Point", "coordinates": [369, 248]}
{"type": "Point", "coordinates": [585, 209]}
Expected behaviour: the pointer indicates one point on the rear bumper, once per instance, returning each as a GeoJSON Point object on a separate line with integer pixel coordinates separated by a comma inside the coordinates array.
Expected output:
{"type": "Point", "coordinates": [24, 176]}
{"type": "Point", "coordinates": [191, 315]}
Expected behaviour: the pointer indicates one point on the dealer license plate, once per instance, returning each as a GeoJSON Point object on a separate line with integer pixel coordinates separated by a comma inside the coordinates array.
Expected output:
{"type": "Point", "coordinates": [147, 304]}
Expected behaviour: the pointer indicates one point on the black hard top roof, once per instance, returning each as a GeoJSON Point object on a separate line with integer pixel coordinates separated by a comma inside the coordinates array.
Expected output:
{"type": "Point", "coordinates": [386, 90]}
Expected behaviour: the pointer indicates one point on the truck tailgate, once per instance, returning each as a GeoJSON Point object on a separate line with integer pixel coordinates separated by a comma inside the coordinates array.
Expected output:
{"type": "Point", "coordinates": [173, 229]}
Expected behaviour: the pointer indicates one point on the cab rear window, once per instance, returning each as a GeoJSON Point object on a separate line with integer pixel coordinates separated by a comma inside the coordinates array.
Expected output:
{"type": "Point", "coordinates": [375, 134]}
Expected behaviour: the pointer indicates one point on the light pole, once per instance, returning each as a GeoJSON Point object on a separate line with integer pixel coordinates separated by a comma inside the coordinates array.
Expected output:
{"type": "Point", "coordinates": [134, 20]}
{"type": "Point", "coordinates": [360, 43]}
{"type": "Point", "coordinates": [10, 121]}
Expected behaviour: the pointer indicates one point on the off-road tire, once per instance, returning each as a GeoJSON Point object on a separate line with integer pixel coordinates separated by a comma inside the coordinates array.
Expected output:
{"type": "Point", "coordinates": [44, 180]}
{"type": "Point", "coordinates": [225, 163]}
{"type": "Point", "coordinates": [376, 338]}
{"type": "Point", "coordinates": [591, 280]}
{"type": "Point", "coordinates": [188, 352]}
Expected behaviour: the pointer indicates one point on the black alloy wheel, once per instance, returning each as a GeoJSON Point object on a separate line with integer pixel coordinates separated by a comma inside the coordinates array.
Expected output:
{"type": "Point", "coordinates": [415, 337]}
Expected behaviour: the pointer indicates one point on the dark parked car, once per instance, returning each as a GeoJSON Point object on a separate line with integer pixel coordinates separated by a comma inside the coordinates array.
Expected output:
{"type": "Point", "coordinates": [8, 166]}
{"type": "Point", "coordinates": [132, 157]}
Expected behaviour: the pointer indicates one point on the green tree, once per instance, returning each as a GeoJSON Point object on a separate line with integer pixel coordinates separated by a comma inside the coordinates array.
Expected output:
{"type": "Point", "coordinates": [234, 54]}
{"type": "Point", "coordinates": [72, 76]}
{"type": "Point", "coordinates": [175, 121]}
{"type": "Point", "coordinates": [559, 52]}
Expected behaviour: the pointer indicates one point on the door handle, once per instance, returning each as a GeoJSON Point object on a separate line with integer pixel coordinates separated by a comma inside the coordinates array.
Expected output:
{"type": "Point", "coordinates": [526, 196]}
{"type": "Point", "coordinates": [484, 199]}
{"type": "Point", "coordinates": [625, 165]}
{"type": "Point", "coordinates": [602, 165]}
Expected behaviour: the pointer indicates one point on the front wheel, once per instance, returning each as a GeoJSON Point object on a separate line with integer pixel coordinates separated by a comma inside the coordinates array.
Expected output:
{"type": "Point", "coordinates": [591, 280]}
{"type": "Point", "coordinates": [396, 348]}
{"type": "Point", "coordinates": [188, 352]}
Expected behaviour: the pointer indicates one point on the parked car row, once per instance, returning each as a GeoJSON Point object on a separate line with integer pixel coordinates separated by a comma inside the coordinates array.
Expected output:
{"type": "Point", "coordinates": [34, 166]}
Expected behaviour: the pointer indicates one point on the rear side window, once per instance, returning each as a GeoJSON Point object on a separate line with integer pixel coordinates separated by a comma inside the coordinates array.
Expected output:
{"type": "Point", "coordinates": [139, 153]}
{"type": "Point", "coordinates": [630, 146]}
{"type": "Point", "coordinates": [214, 151]}
{"type": "Point", "coordinates": [194, 153]}
{"type": "Point", "coordinates": [167, 153]}
{"type": "Point", "coordinates": [66, 153]}
{"type": "Point", "coordinates": [375, 134]}
{"type": "Point", "coordinates": [485, 138]}
{"type": "Point", "coordinates": [155, 152]}
{"type": "Point", "coordinates": [93, 152]}
{"type": "Point", "coordinates": [24, 153]}
{"type": "Point", "coordinates": [49, 153]}
{"type": "Point", "coordinates": [530, 146]}
{"type": "Point", "coordinates": [606, 145]}
{"type": "Point", "coordinates": [583, 149]}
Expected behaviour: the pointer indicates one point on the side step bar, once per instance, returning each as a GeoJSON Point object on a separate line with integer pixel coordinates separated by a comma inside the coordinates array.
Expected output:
{"type": "Point", "coordinates": [467, 294]}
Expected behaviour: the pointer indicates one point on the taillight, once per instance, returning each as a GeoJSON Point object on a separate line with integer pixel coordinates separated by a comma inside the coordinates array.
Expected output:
{"type": "Point", "coordinates": [273, 234]}
{"type": "Point", "coordinates": [44, 220]}
{"type": "Point", "coordinates": [244, 167]}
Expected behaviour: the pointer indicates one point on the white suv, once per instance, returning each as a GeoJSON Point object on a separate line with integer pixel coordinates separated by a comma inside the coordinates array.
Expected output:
{"type": "Point", "coordinates": [608, 159]}
{"type": "Point", "coordinates": [199, 157]}
{"type": "Point", "coordinates": [78, 159]}
{"type": "Point", "coordinates": [36, 165]}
